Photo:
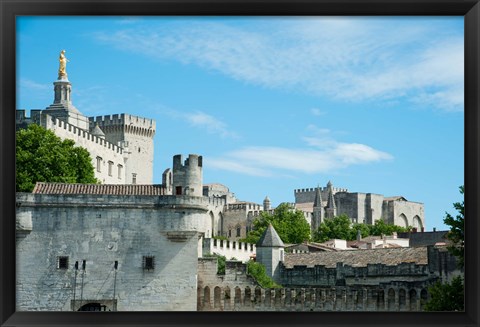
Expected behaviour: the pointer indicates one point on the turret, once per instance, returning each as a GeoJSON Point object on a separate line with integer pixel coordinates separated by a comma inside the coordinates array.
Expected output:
{"type": "Point", "coordinates": [270, 251]}
{"type": "Point", "coordinates": [266, 204]}
{"type": "Point", "coordinates": [318, 213]}
{"type": "Point", "coordinates": [331, 209]}
{"type": "Point", "coordinates": [187, 176]}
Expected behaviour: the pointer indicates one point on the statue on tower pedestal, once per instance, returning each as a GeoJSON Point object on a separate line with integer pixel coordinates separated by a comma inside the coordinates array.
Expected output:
{"type": "Point", "coordinates": [62, 70]}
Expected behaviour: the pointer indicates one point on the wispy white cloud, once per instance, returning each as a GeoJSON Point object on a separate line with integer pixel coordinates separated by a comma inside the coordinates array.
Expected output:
{"type": "Point", "coordinates": [322, 154]}
{"type": "Point", "coordinates": [317, 112]}
{"type": "Point", "coordinates": [203, 121]}
{"type": "Point", "coordinates": [346, 58]}
{"type": "Point", "coordinates": [29, 84]}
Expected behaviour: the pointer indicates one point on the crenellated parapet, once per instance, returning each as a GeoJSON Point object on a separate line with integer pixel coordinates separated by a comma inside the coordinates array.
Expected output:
{"type": "Point", "coordinates": [394, 297]}
{"type": "Point", "coordinates": [187, 175]}
{"type": "Point", "coordinates": [75, 133]}
{"type": "Point", "coordinates": [125, 123]}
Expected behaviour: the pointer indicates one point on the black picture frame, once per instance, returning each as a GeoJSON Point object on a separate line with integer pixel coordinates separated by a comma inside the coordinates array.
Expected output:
{"type": "Point", "coordinates": [9, 9]}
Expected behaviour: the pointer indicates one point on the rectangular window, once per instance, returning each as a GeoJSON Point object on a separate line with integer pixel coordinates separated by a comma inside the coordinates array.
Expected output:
{"type": "Point", "coordinates": [62, 262]}
{"type": "Point", "coordinates": [178, 190]}
{"type": "Point", "coordinates": [134, 178]}
{"type": "Point", "coordinates": [229, 233]}
{"type": "Point", "coordinates": [148, 262]}
{"type": "Point", "coordinates": [110, 168]}
{"type": "Point", "coordinates": [239, 229]}
{"type": "Point", "coordinates": [99, 164]}
{"type": "Point", "coordinates": [120, 171]}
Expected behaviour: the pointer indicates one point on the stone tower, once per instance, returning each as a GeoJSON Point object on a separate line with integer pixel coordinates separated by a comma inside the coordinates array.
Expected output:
{"type": "Point", "coordinates": [135, 135]}
{"type": "Point", "coordinates": [267, 204]}
{"type": "Point", "coordinates": [270, 251]}
{"type": "Point", "coordinates": [187, 176]}
{"type": "Point", "coordinates": [62, 106]}
{"type": "Point", "coordinates": [331, 209]}
{"type": "Point", "coordinates": [318, 211]}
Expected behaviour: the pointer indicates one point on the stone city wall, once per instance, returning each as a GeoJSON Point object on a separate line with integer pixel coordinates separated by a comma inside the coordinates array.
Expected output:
{"type": "Point", "coordinates": [230, 249]}
{"type": "Point", "coordinates": [154, 241]}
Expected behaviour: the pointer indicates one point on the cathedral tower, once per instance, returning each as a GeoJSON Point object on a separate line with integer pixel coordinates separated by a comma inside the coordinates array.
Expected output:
{"type": "Point", "coordinates": [62, 107]}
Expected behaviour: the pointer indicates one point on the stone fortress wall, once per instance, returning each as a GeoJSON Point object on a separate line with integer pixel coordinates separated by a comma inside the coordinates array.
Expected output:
{"type": "Point", "coordinates": [111, 153]}
{"type": "Point", "coordinates": [364, 207]}
{"type": "Point", "coordinates": [230, 249]}
{"type": "Point", "coordinates": [376, 287]}
{"type": "Point", "coordinates": [135, 134]}
{"type": "Point", "coordinates": [126, 252]}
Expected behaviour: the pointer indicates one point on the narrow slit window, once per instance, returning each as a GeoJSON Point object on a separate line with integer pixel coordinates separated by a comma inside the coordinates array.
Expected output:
{"type": "Point", "coordinates": [148, 262]}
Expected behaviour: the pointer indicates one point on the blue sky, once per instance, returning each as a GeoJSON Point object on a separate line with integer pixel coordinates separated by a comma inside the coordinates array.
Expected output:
{"type": "Point", "coordinates": [273, 104]}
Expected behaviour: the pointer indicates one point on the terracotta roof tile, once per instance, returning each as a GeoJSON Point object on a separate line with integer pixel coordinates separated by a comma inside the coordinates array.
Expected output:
{"type": "Point", "coordinates": [99, 189]}
{"type": "Point", "coordinates": [359, 258]}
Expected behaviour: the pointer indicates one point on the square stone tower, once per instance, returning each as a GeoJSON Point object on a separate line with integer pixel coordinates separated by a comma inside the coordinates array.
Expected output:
{"type": "Point", "coordinates": [135, 135]}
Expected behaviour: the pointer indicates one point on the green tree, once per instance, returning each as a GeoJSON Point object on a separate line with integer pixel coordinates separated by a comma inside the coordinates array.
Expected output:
{"type": "Point", "coordinates": [446, 296]}
{"type": "Point", "coordinates": [457, 230]}
{"type": "Point", "coordinates": [41, 156]}
{"type": "Point", "coordinates": [450, 296]}
{"type": "Point", "coordinates": [259, 273]}
{"type": "Point", "coordinates": [336, 227]}
{"type": "Point", "coordinates": [341, 227]}
{"type": "Point", "coordinates": [382, 228]}
{"type": "Point", "coordinates": [289, 223]}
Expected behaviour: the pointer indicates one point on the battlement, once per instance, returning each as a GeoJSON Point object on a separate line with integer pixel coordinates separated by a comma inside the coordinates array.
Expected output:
{"type": "Point", "coordinates": [193, 160]}
{"type": "Point", "coordinates": [128, 123]}
{"type": "Point", "coordinates": [243, 207]}
{"type": "Point", "coordinates": [401, 297]}
{"type": "Point", "coordinates": [322, 189]}
{"type": "Point", "coordinates": [230, 249]}
{"type": "Point", "coordinates": [74, 133]}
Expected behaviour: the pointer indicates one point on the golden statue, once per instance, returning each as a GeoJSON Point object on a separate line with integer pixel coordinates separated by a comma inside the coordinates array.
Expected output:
{"type": "Point", "coordinates": [62, 70]}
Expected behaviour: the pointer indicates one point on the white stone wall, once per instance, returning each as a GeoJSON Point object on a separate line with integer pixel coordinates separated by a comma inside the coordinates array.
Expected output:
{"type": "Point", "coordinates": [405, 213]}
{"type": "Point", "coordinates": [136, 135]}
{"type": "Point", "coordinates": [96, 146]}
{"type": "Point", "coordinates": [230, 249]}
{"type": "Point", "coordinates": [102, 230]}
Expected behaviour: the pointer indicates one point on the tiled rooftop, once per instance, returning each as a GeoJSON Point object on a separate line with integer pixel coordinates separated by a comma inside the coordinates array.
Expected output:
{"type": "Point", "coordinates": [100, 189]}
{"type": "Point", "coordinates": [359, 258]}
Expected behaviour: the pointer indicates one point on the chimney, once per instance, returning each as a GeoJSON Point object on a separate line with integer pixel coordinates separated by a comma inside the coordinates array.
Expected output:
{"type": "Point", "coordinates": [434, 229]}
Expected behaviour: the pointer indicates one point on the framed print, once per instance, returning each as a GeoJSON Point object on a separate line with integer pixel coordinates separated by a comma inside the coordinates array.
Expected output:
{"type": "Point", "coordinates": [240, 163]}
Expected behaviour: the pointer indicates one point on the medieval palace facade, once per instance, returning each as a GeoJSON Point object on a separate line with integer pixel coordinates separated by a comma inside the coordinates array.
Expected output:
{"type": "Point", "coordinates": [129, 244]}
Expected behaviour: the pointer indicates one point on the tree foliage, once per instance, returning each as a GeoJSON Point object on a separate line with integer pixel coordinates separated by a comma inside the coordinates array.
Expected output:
{"type": "Point", "coordinates": [382, 228]}
{"type": "Point", "coordinates": [341, 227]}
{"type": "Point", "coordinates": [446, 296]}
{"type": "Point", "coordinates": [41, 156]}
{"type": "Point", "coordinates": [259, 273]}
{"type": "Point", "coordinates": [450, 296]}
{"type": "Point", "coordinates": [289, 223]}
{"type": "Point", "coordinates": [457, 230]}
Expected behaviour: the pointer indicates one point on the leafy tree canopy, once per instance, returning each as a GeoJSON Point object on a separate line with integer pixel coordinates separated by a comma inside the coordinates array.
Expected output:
{"type": "Point", "coordinates": [259, 273]}
{"type": "Point", "coordinates": [457, 230]}
{"type": "Point", "coordinates": [289, 223]}
{"type": "Point", "coordinates": [446, 296]}
{"type": "Point", "coordinates": [41, 156]}
{"type": "Point", "coordinates": [341, 227]}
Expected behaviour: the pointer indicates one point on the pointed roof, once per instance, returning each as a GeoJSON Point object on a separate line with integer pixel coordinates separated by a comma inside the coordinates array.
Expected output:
{"type": "Point", "coordinates": [270, 238]}
{"type": "Point", "coordinates": [318, 198]}
{"type": "Point", "coordinates": [330, 201]}
{"type": "Point", "coordinates": [97, 131]}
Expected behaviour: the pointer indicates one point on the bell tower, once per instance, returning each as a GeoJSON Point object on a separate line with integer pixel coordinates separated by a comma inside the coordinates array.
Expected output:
{"type": "Point", "coordinates": [62, 106]}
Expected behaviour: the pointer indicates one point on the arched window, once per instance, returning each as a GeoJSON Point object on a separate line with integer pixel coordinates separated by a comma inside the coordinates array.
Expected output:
{"type": "Point", "coordinates": [217, 294]}
{"type": "Point", "coordinates": [413, 300]}
{"type": "Point", "coordinates": [402, 220]}
{"type": "Point", "coordinates": [391, 299]}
